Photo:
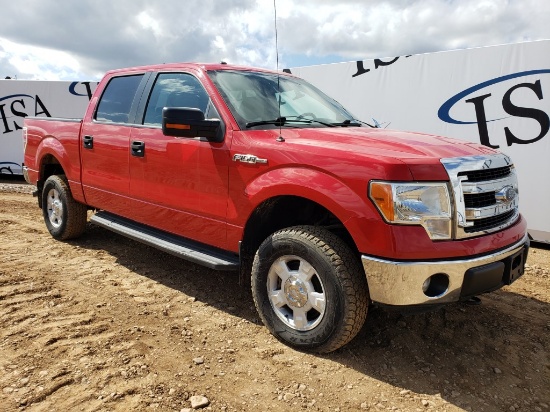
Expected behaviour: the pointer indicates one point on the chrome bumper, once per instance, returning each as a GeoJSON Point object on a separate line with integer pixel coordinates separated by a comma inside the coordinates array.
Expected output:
{"type": "Point", "coordinates": [401, 283]}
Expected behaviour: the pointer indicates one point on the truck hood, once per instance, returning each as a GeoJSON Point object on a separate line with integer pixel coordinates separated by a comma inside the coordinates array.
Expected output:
{"type": "Point", "coordinates": [393, 154]}
{"type": "Point", "coordinates": [407, 147]}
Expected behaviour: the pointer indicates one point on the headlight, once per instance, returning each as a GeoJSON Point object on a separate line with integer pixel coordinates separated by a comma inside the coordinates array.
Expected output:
{"type": "Point", "coordinates": [424, 204]}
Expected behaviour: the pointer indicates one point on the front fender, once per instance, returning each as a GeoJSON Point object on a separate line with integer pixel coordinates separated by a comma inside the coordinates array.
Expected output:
{"type": "Point", "coordinates": [344, 201]}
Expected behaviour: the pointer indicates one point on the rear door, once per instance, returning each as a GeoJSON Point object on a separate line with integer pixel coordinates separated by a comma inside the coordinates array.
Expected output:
{"type": "Point", "coordinates": [179, 184]}
{"type": "Point", "coordinates": [105, 145]}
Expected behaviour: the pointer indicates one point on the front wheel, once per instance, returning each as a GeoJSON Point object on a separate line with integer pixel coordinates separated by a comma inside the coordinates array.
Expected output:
{"type": "Point", "coordinates": [65, 218]}
{"type": "Point", "coordinates": [309, 288]}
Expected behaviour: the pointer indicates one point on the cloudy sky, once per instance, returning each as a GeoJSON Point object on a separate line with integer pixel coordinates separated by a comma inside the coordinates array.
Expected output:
{"type": "Point", "coordinates": [81, 39]}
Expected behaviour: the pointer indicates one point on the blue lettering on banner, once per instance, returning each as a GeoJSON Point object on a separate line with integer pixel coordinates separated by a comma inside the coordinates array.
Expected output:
{"type": "Point", "coordinates": [7, 169]}
{"type": "Point", "coordinates": [514, 111]}
{"type": "Point", "coordinates": [17, 108]}
{"type": "Point", "coordinates": [74, 85]}
{"type": "Point", "coordinates": [377, 63]}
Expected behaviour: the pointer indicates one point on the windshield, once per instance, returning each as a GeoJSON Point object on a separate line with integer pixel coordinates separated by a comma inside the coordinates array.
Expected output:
{"type": "Point", "coordinates": [254, 99]}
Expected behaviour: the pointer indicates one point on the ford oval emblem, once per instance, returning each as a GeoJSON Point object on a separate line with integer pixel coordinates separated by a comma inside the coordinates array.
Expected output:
{"type": "Point", "coordinates": [507, 194]}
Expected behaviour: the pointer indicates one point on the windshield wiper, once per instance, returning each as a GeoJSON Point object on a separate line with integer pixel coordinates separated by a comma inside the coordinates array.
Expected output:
{"type": "Point", "coordinates": [279, 121]}
{"type": "Point", "coordinates": [301, 119]}
{"type": "Point", "coordinates": [347, 123]}
{"type": "Point", "coordinates": [376, 126]}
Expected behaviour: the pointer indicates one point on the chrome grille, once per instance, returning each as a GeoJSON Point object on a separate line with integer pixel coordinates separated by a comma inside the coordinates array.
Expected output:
{"type": "Point", "coordinates": [475, 200]}
{"type": "Point", "coordinates": [485, 193]}
{"type": "Point", "coordinates": [489, 222]}
{"type": "Point", "coordinates": [487, 174]}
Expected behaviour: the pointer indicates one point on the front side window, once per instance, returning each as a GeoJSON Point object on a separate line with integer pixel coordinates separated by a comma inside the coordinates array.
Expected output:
{"type": "Point", "coordinates": [174, 90]}
{"type": "Point", "coordinates": [116, 101]}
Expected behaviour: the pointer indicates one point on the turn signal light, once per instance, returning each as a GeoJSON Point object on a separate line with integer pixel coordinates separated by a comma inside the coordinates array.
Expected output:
{"type": "Point", "coordinates": [382, 195]}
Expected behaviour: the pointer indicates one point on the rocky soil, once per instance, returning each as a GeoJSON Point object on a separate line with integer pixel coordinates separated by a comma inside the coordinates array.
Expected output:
{"type": "Point", "coordinates": [106, 324]}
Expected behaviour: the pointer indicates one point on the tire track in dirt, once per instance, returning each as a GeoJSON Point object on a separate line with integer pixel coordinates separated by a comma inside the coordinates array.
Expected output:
{"type": "Point", "coordinates": [41, 319]}
{"type": "Point", "coordinates": [44, 324]}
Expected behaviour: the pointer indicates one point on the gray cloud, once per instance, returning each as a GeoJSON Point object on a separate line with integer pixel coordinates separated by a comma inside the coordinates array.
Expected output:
{"type": "Point", "coordinates": [388, 28]}
{"type": "Point", "coordinates": [108, 34]}
{"type": "Point", "coordinates": [105, 34]}
{"type": "Point", "coordinates": [6, 68]}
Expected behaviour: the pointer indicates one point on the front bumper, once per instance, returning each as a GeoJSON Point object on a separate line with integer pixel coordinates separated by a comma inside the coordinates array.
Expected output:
{"type": "Point", "coordinates": [437, 282]}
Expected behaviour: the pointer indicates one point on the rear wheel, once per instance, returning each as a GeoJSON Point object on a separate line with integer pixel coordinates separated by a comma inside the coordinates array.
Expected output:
{"type": "Point", "coordinates": [65, 218]}
{"type": "Point", "coordinates": [309, 288]}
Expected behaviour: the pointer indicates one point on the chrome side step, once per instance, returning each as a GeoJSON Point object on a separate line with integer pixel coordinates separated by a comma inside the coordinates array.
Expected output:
{"type": "Point", "coordinates": [175, 245]}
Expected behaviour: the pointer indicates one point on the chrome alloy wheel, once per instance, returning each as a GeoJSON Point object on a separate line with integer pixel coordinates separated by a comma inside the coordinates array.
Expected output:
{"type": "Point", "coordinates": [54, 206]}
{"type": "Point", "coordinates": [296, 293]}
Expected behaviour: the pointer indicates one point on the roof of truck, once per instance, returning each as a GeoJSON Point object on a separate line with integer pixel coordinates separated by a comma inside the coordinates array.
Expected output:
{"type": "Point", "coordinates": [199, 66]}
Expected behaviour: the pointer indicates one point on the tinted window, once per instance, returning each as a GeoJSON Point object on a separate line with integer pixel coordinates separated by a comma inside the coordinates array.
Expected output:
{"type": "Point", "coordinates": [174, 90]}
{"type": "Point", "coordinates": [116, 101]}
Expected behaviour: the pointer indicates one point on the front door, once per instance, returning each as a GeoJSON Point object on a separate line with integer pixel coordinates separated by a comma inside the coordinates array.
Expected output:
{"type": "Point", "coordinates": [179, 184]}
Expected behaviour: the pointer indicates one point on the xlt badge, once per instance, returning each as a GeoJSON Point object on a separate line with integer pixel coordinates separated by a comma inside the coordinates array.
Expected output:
{"type": "Point", "coordinates": [248, 159]}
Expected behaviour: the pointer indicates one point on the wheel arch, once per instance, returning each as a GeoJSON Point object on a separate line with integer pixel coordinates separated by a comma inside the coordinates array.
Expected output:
{"type": "Point", "coordinates": [53, 159]}
{"type": "Point", "coordinates": [273, 214]}
{"type": "Point", "coordinates": [48, 165]}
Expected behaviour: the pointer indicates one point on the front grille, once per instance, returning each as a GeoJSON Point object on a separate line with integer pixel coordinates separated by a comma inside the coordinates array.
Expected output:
{"type": "Point", "coordinates": [480, 186]}
{"type": "Point", "coordinates": [476, 200]}
{"type": "Point", "coordinates": [490, 222]}
{"type": "Point", "coordinates": [486, 174]}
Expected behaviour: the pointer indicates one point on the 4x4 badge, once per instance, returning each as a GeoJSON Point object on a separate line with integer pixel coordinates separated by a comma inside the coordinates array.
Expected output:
{"type": "Point", "coordinates": [248, 159]}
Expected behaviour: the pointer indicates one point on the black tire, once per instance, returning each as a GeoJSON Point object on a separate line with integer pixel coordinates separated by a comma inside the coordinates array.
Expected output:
{"type": "Point", "coordinates": [65, 218]}
{"type": "Point", "coordinates": [309, 289]}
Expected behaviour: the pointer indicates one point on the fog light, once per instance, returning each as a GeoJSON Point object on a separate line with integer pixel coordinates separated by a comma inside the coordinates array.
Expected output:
{"type": "Point", "coordinates": [436, 285]}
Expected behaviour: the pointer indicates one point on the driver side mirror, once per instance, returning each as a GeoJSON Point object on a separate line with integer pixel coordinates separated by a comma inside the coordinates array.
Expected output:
{"type": "Point", "coordinates": [189, 122]}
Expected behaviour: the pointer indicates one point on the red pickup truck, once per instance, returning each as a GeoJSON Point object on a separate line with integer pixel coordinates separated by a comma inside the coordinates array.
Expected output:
{"type": "Point", "coordinates": [258, 171]}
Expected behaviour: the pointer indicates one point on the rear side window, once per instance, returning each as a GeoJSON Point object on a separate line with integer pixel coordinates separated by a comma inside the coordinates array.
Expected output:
{"type": "Point", "coordinates": [174, 90]}
{"type": "Point", "coordinates": [116, 101]}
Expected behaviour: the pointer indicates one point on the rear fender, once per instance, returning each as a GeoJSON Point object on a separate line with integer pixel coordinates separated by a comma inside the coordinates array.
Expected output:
{"type": "Point", "coordinates": [70, 163]}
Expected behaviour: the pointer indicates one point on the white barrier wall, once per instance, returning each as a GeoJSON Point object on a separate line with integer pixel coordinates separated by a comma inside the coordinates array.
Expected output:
{"type": "Point", "coordinates": [498, 96]}
{"type": "Point", "coordinates": [22, 98]}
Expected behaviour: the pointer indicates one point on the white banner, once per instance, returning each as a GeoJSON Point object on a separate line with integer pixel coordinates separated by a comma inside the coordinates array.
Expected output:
{"type": "Point", "coordinates": [498, 96]}
{"type": "Point", "coordinates": [22, 98]}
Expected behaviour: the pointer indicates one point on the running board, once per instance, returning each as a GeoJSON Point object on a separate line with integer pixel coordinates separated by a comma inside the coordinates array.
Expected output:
{"type": "Point", "coordinates": [175, 245]}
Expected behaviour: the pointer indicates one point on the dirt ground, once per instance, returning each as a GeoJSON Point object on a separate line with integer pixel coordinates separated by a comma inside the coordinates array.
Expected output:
{"type": "Point", "coordinates": [107, 324]}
